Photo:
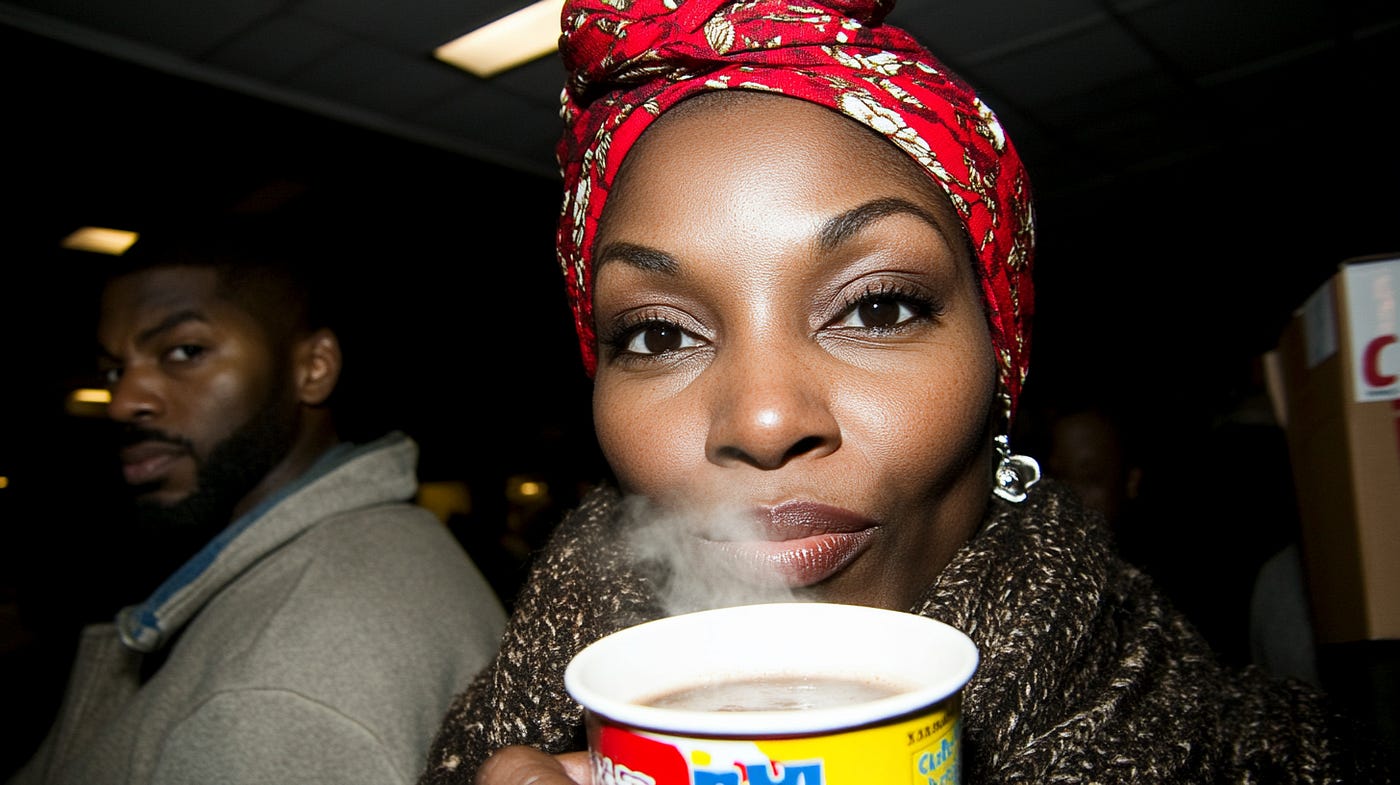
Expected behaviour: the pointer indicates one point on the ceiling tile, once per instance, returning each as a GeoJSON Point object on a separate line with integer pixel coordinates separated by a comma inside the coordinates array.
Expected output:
{"type": "Point", "coordinates": [497, 126]}
{"type": "Point", "coordinates": [180, 26]}
{"type": "Point", "coordinates": [967, 33]}
{"type": "Point", "coordinates": [278, 48]}
{"type": "Point", "coordinates": [417, 27]}
{"type": "Point", "coordinates": [1039, 75]}
{"type": "Point", "coordinates": [376, 79]}
{"type": "Point", "coordinates": [1207, 36]}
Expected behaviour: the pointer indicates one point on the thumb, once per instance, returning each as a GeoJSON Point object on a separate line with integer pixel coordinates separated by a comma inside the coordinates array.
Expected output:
{"type": "Point", "coordinates": [520, 765]}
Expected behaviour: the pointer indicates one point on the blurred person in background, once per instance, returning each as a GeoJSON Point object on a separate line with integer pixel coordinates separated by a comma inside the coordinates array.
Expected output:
{"type": "Point", "coordinates": [1091, 450]}
{"type": "Point", "coordinates": [313, 622]}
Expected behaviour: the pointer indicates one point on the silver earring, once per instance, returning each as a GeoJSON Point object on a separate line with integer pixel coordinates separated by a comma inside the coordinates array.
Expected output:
{"type": "Point", "coordinates": [1015, 473]}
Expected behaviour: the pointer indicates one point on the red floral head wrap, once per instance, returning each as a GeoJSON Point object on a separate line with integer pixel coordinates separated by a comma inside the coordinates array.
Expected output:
{"type": "Point", "coordinates": [631, 60]}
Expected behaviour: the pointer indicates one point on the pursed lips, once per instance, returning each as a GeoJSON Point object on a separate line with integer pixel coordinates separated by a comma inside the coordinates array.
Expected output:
{"type": "Point", "coordinates": [795, 543]}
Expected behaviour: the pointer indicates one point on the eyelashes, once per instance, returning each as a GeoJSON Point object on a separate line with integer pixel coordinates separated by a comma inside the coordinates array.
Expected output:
{"type": "Point", "coordinates": [652, 337]}
{"type": "Point", "coordinates": [883, 309]}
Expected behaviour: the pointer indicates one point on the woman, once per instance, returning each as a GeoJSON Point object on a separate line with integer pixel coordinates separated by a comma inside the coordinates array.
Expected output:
{"type": "Point", "coordinates": [814, 312]}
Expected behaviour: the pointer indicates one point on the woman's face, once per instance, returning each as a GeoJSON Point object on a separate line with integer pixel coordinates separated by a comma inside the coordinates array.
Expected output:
{"type": "Point", "coordinates": [789, 324]}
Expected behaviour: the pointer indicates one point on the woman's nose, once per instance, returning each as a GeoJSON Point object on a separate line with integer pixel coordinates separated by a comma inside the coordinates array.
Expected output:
{"type": "Point", "coordinates": [769, 408]}
{"type": "Point", "coordinates": [135, 396]}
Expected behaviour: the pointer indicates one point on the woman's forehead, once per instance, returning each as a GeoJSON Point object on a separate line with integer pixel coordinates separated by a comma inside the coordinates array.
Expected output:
{"type": "Point", "coordinates": [770, 195]}
{"type": "Point", "coordinates": [725, 136]}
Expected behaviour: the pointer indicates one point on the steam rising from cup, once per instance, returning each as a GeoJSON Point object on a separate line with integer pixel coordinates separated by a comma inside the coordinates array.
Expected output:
{"type": "Point", "coordinates": [684, 552]}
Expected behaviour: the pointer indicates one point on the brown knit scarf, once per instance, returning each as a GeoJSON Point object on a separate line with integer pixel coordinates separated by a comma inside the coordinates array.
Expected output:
{"type": "Point", "coordinates": [1087, 675]}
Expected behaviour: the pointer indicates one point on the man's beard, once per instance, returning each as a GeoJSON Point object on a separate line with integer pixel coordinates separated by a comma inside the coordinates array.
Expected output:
{"type": "Point", "coordinates": [233, 468]}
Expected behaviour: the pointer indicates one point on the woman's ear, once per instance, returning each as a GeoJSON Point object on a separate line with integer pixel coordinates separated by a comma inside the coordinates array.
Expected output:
{"type": "Point", "coordinates": [317, 366]}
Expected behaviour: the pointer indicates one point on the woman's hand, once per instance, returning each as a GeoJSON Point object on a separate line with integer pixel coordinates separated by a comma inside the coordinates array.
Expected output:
{"type": "Point", "coordinates": [529, 766]}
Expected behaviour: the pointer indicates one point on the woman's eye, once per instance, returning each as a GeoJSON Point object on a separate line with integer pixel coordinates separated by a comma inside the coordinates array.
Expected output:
{"type": "Point", "coordinates": [880, 313]}
{"type": "Point", "coordinates": [657, 338]}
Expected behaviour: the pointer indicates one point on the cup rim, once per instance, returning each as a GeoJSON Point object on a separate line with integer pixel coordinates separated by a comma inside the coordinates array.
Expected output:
{"type": "Point", "coordinates": [611, 653]}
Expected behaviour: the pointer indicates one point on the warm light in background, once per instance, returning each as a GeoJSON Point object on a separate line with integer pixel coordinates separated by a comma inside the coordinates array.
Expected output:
{"type": "Point", "coordinates": [513, 40]}
{"type": "Point", "coordinates": [445, 499]}
{"type": "Point", "coordinates": [531, 491]}
{"type": "Point", "coordinates": [98, 239]}
{"type": "Point", "coordinates": [4, 482]}
{"type": "Point", "coordinates": [88, 402]}
{"type": "Point", "coordinates": [90, 395]}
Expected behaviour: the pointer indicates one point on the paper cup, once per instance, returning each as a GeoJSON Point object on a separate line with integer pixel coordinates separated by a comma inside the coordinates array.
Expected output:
{"type": "Point", "coordinates": [906, 729]}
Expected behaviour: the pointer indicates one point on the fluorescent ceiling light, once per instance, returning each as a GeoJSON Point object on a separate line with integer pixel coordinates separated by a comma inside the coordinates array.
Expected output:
{"type": "Point", "coordinates": [100, 240]}
{"type": "Point", "coordinates": [513, 40]}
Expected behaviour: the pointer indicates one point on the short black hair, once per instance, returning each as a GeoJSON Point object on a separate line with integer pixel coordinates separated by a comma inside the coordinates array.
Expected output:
{"type": "Point", "coordinates": [271, 266]}
{"type": "Point", "coordinates": [287, 273]}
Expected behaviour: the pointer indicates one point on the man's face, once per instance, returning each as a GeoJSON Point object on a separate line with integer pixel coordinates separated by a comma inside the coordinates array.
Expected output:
{"type": "Point", "coordinates": [203, 395]}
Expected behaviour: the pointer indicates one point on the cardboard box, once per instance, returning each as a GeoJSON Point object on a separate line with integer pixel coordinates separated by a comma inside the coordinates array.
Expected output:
{"type": "Point", "coordinates": [1335, 382]}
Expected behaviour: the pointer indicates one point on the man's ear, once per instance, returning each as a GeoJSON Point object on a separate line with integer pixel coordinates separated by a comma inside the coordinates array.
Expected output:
{"type": "Point", "coordinates": [317, 366]}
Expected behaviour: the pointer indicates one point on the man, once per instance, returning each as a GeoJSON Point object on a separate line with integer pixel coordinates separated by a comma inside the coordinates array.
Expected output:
{"type": "Point", "coordinates": [323, 622]}
{"type": "Point", "coordinates": [1091, 451]}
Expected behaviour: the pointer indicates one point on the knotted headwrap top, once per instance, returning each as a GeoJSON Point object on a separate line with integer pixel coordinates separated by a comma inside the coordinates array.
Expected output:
{"type": "Point", "coordinates": [631, 60]}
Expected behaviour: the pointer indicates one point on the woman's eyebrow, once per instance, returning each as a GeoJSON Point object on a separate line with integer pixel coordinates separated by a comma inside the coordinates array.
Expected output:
{"type": "Point", "coordinates": [850, 223]}
{"type": "Point", "coordinates": [639, 256]}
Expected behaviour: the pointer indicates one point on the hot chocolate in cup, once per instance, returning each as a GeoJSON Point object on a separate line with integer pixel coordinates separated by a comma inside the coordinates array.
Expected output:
{"type": "Point", "coordinates": [777, 693]}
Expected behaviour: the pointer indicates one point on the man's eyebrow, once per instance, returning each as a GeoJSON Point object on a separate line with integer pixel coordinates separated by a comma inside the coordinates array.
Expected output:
{"type": "Point", "coordinates": [170, 322]}
{"type": "Point", "coordinates": [639, 256]}
{"type": "Point", "coordinates": [850, 223]}
{"type": "Point", "coordinates": [106, 356]}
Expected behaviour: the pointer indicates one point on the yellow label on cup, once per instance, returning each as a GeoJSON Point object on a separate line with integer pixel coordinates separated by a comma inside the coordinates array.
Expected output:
{"type": "Point", "coordinates": [919, 750]}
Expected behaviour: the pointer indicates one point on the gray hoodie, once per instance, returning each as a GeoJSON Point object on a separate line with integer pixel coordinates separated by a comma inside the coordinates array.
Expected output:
{"type": "Point", "coordinates": [319, 638]}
